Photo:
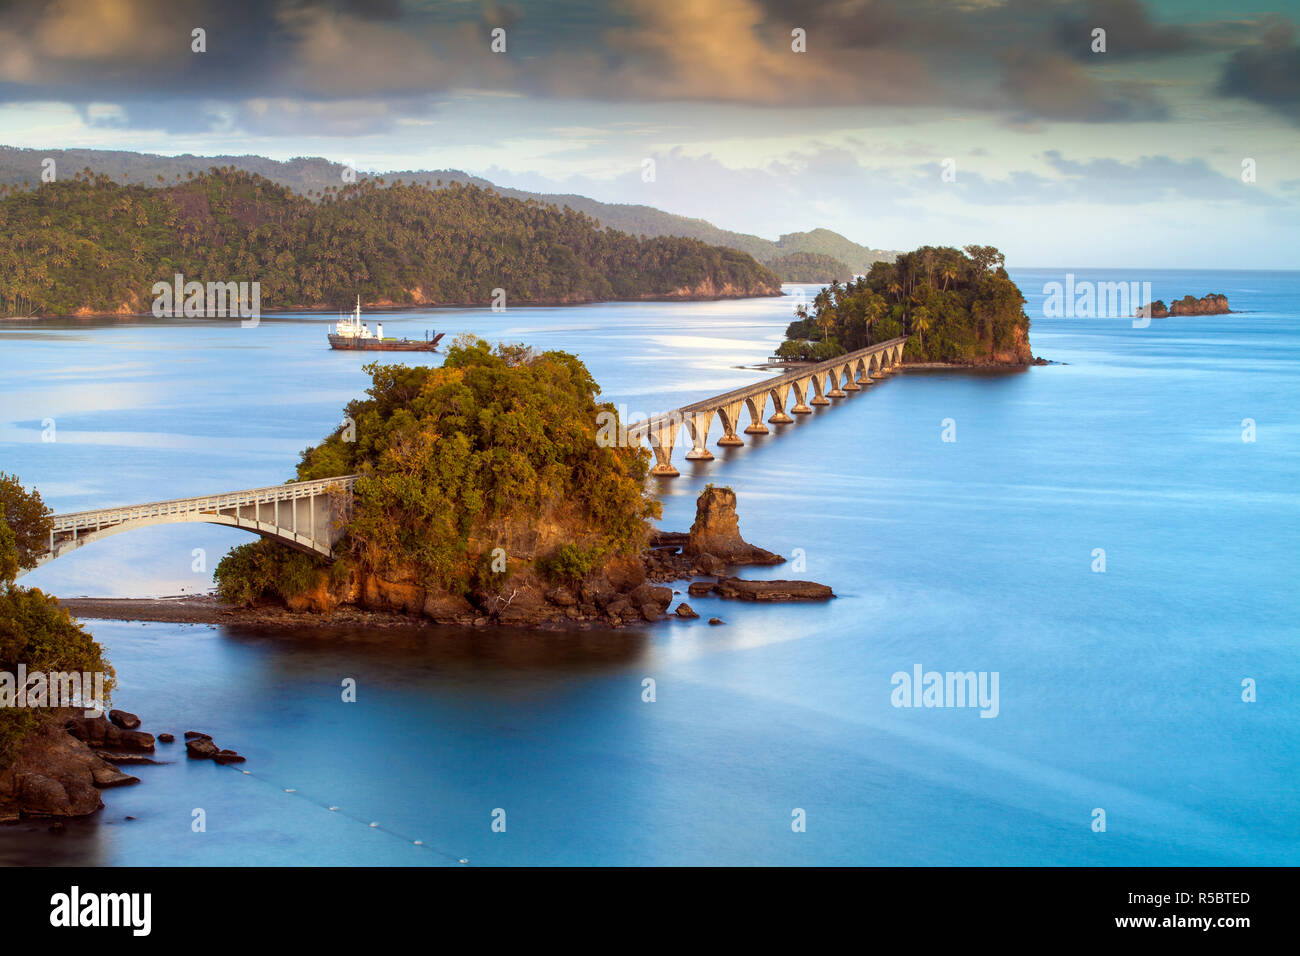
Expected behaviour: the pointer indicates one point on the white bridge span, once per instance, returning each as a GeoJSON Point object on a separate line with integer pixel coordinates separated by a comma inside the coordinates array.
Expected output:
{"type": "Point", "coordinates": [307, 515]}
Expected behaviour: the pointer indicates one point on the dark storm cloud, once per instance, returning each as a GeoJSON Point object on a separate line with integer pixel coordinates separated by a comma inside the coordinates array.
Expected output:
{"type": "Point", "coordinates": [1130, 31]}
{"type": "Point", "coordinates": [1268, 74]}
{"type": "Point", "coordinates": [321, 61]}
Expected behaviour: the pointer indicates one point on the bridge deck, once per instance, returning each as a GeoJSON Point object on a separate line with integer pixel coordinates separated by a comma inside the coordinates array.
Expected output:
{"type": "Point", "coordinates": [759, 388]}
{"type": "Point", "coordinates": [201, 504]}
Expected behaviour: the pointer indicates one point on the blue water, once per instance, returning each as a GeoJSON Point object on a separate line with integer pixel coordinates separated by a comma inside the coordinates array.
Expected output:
{"type": "Point", "coordinates": [1118, 690]}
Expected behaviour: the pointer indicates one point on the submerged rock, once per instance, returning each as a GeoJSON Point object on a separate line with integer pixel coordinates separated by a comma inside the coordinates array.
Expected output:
{"type": "Point", "coordinates": [738, 588]}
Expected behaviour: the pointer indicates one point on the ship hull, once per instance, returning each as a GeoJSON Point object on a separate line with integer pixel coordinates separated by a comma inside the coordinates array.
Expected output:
{"type": "Point", "coordinates": [352, 344]}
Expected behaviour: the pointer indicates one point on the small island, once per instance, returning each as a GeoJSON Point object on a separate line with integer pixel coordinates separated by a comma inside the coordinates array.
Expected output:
{"type": "Point", "coordinates": [487, 497]}
{"type": "Point", "coordinates": [1216, 303]}
{"type": "Point", "coordinates": [956, 307]}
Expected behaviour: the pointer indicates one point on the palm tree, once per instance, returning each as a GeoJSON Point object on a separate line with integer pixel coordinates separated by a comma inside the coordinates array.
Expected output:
{"type": "Point", "coordinates": [825, 321]}
{"type": "Point", "coordinates": [921, 325]}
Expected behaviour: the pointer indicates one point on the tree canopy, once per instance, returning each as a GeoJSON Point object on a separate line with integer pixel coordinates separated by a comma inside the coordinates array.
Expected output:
{"type": "Point", "coordinates": [26, 525]}
{"type": "Point", "coordinates": [503, 436]}
{"type": "Point", "coordinates": [90, 244]}
{"type": "Point", "coordinates": [956, 306]}
{"type": "Point", "coordinates": [34, 631]}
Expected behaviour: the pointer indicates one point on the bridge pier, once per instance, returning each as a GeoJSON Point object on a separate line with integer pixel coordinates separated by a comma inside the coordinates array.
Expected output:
{"type": "Point", "coordinates": [730, 415]}
{"type": "Point", "coordinates": [800, 394]}
{"type": "Point", "coordinates": [779, 394]}
{"type": "Point", "coordinates": [697, 424]}
{"type": "Point", "coordinates": [663, 438]}
{"type": "Point", "coordinates": [813, 385]}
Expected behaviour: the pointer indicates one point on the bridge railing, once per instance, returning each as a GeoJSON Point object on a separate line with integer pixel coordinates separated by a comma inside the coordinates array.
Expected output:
{"type": "Point", "coordinates": [746, 391]}
{"type": "Point", "coordinates": [203, 504]}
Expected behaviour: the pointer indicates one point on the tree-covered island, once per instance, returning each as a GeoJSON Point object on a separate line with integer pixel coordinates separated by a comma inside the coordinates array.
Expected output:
{"type": "Point", "coordinates": [957, 307]}
{"type": "Point", "coordinates": [486, 496]}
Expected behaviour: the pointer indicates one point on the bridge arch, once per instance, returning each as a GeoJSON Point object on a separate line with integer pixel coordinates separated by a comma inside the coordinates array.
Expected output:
{"type": "Point", "coordinates": [307, 515]}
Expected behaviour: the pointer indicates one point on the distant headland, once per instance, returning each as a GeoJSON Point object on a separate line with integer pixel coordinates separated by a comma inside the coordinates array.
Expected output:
{"type": "Point", "coordinates": [105, 245]}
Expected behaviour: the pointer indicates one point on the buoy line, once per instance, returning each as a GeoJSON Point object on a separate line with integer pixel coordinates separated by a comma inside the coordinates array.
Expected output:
{"type": "Point", "coordinates": [371, 824]}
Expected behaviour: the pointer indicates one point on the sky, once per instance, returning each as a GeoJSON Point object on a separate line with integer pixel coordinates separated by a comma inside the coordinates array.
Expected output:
{"type": "Point", "coordinates": [1170, 140]}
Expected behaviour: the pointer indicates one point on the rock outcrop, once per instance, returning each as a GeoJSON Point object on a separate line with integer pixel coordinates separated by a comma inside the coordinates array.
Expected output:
{"type": "Point", "coordinates": [716, 531]}
{"type": "Point", "coordinates": [625, 590]}
{"type": "Point", "coordinates": [1212, 304]}
{"type": "Point", "coordinates": [56, 774]}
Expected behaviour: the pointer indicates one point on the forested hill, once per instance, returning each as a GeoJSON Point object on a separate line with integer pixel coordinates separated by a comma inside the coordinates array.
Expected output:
{"type": "Point", "coordinates": [957, 306]}
{"type": "Point", "coordinates": [86, 244]}
{"type": "Point", "coordinates": [312, 176]}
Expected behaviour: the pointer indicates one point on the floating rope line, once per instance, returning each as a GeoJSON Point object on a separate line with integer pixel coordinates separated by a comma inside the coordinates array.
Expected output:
{"type": "Point", "coordinates": [371, 824]}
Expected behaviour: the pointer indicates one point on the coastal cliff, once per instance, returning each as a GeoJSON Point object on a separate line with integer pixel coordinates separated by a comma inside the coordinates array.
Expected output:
{"type": "Point", "coordinates": [618, 591]}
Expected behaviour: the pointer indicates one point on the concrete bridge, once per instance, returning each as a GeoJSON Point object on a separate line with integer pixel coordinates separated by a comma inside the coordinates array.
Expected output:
{"type": "Point", "coordinates": [306, 515]}
{"type": "Point", "coordinates": [811, 385]}
{"type": "Point", "coordinates": [309, 515]}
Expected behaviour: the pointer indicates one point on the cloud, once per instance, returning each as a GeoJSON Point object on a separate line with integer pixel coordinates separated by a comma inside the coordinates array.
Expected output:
{"type": "Point", "coordinates": [1269, 73]}
{"type": "Point", "coordinates": [1026, 59]}
{"type": "Point", "coordinates": [1148, 179]}
{"type": "Point", "coordinates": [1051, 86]}
{"type": "Point", "coordinates": [1130, 31]}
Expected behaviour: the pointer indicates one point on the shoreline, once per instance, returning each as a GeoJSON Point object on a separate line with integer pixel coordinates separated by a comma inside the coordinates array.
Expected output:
{"type": "Point", "coordinates": [206, 609]}
{"type": "Point", "coordinates": [390, 308]}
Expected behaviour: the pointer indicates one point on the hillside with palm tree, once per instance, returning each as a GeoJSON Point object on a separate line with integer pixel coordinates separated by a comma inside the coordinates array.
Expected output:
{"type": "Point", "coordinates": [958, 307]}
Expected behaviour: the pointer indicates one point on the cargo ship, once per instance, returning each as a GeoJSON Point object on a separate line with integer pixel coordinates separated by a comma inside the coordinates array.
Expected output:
{"type": "Point", "coordinates": [354, 335]}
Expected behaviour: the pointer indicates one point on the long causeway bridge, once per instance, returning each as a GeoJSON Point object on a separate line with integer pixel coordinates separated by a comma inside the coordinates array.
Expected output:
{"type": "Point", "coordinates": [302, 514]}
{"type": "Point", "coordinates": [833, 378]}
{"type": "Point", "coordinates": [309, 515]}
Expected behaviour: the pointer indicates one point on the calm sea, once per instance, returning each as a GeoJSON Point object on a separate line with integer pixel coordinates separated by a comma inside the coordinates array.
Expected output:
{"type": "Point", "coordinates": [1118, 691]}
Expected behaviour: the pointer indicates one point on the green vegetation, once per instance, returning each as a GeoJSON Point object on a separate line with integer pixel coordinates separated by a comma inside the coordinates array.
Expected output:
{"type": "Point", "coordinates": [89, 244]}
{"type": "Point", "coordinates": [315, 178]}
{"type": "Point", "coordinates": [956, 307]}
{"type": "Point", "coordinates": [26, 525]}
{"type": "Point", "coordinates": [265, 568]}
{"type": "Point", "coordinates": [802, 350]}
{"type": "Point", "coordinates": [570, 563]}
{"type": "Point", "coordinates": [34, 631]}
{"type": "Point", "coordinates": [810, 267]}
{"type": "Point", "coordinates": [495, 445]}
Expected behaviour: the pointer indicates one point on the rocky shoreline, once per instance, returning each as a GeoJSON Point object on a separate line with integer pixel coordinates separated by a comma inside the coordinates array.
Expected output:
{"type": "Point", "coordinates": [626, 590]}
{"type": "Point", "coordinates": [61, 769]}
